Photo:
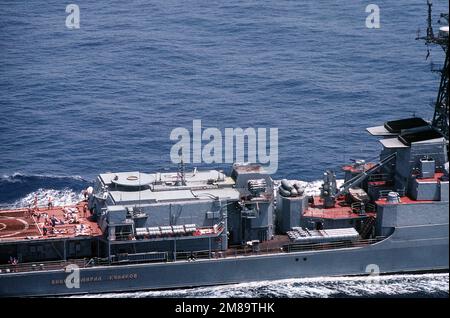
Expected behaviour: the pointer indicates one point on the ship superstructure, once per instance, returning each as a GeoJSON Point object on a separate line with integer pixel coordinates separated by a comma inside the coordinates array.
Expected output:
{"type": "Point", "coordinates": [144, 231]}
{"type": "Point", "coordinates": [206, 212]}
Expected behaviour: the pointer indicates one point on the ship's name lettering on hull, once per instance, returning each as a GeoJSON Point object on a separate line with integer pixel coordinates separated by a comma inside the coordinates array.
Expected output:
{"type": "Point", "coordinates": [93, 279]}
{"type": "Point", "coordinates": [122, 277]}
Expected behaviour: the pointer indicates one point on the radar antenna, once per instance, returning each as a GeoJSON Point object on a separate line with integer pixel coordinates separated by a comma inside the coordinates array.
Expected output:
{"type": "Point", "coordinates": [441, 111]}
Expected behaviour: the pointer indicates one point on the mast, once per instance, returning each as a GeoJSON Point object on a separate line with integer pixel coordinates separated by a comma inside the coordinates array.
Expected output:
{"type": "Point", "coordinates": [181, 175]}
{"type": "Point", "coordinates": [441, 111]}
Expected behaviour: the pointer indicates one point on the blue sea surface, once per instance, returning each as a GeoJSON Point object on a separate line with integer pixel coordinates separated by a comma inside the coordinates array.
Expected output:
{"type": "Point", "coordinates": [105, 97]}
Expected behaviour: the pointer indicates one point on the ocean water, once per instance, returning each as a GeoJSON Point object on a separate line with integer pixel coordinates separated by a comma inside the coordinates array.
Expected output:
{"type": "Point", "coordinates": [105, 97]}
{"type": "Point", "coordinates": [390, 286]}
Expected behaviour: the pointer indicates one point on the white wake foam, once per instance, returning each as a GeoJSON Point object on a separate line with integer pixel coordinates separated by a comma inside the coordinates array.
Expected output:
{"type": "Point", "coordinates": [312, 188]}
{"type": "Point", "coordinates": [61, 197]}
{"type": "Point", "coordinates": [323, 287]}
{"type": "Point", "coordinates": [22, 177]}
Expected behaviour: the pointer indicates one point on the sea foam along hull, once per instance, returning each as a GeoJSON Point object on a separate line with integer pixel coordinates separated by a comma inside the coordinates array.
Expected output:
{"type": "Point", "coordinates": [390, 255]}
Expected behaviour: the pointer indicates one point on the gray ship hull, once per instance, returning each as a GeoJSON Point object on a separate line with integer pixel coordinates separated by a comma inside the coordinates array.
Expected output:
{"type": "Point", "coordinates": [390, 255]}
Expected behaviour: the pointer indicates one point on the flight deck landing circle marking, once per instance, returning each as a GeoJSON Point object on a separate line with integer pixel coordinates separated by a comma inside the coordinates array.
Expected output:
{"type": "Point", "coordinates": [6, 218]}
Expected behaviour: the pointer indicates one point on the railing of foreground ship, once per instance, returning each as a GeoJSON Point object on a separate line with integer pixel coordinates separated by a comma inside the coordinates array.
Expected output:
{"type": "Point", "coordinates": [40, 266]}
{"type": "Point", "coordinates": [334, 245]}
{"type": "Point", "coordinates": [380, 177]}
{"type": "Point", "coordinates": [139, 258]}
{"type": "Point", "coordinates": [143, 258]}
{"type": "Point", "coordinates": [385, 193]}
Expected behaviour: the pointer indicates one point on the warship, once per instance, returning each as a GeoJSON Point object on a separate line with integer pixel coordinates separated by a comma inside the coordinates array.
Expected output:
{"type": "Point", "coordinates": [142, 231]}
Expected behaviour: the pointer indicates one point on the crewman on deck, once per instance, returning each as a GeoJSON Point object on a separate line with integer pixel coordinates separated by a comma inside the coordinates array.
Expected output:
{"type": "Point", "coordinates": [36, 208]}
{"type": "Point", "coordinates": [50, 202]}
{"type": "Point", "coordinates": [14, 261]}
{"type": "Point", "coordinates": [53, 220]}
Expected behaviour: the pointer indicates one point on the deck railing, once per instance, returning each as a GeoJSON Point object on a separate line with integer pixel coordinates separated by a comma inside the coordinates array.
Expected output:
{"type": "Point", "coordinates": [385, 193]}
{"type": "Point", "coordinates": [152, 257]}
{"type": "Point", "coordinates": [40, 266]}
